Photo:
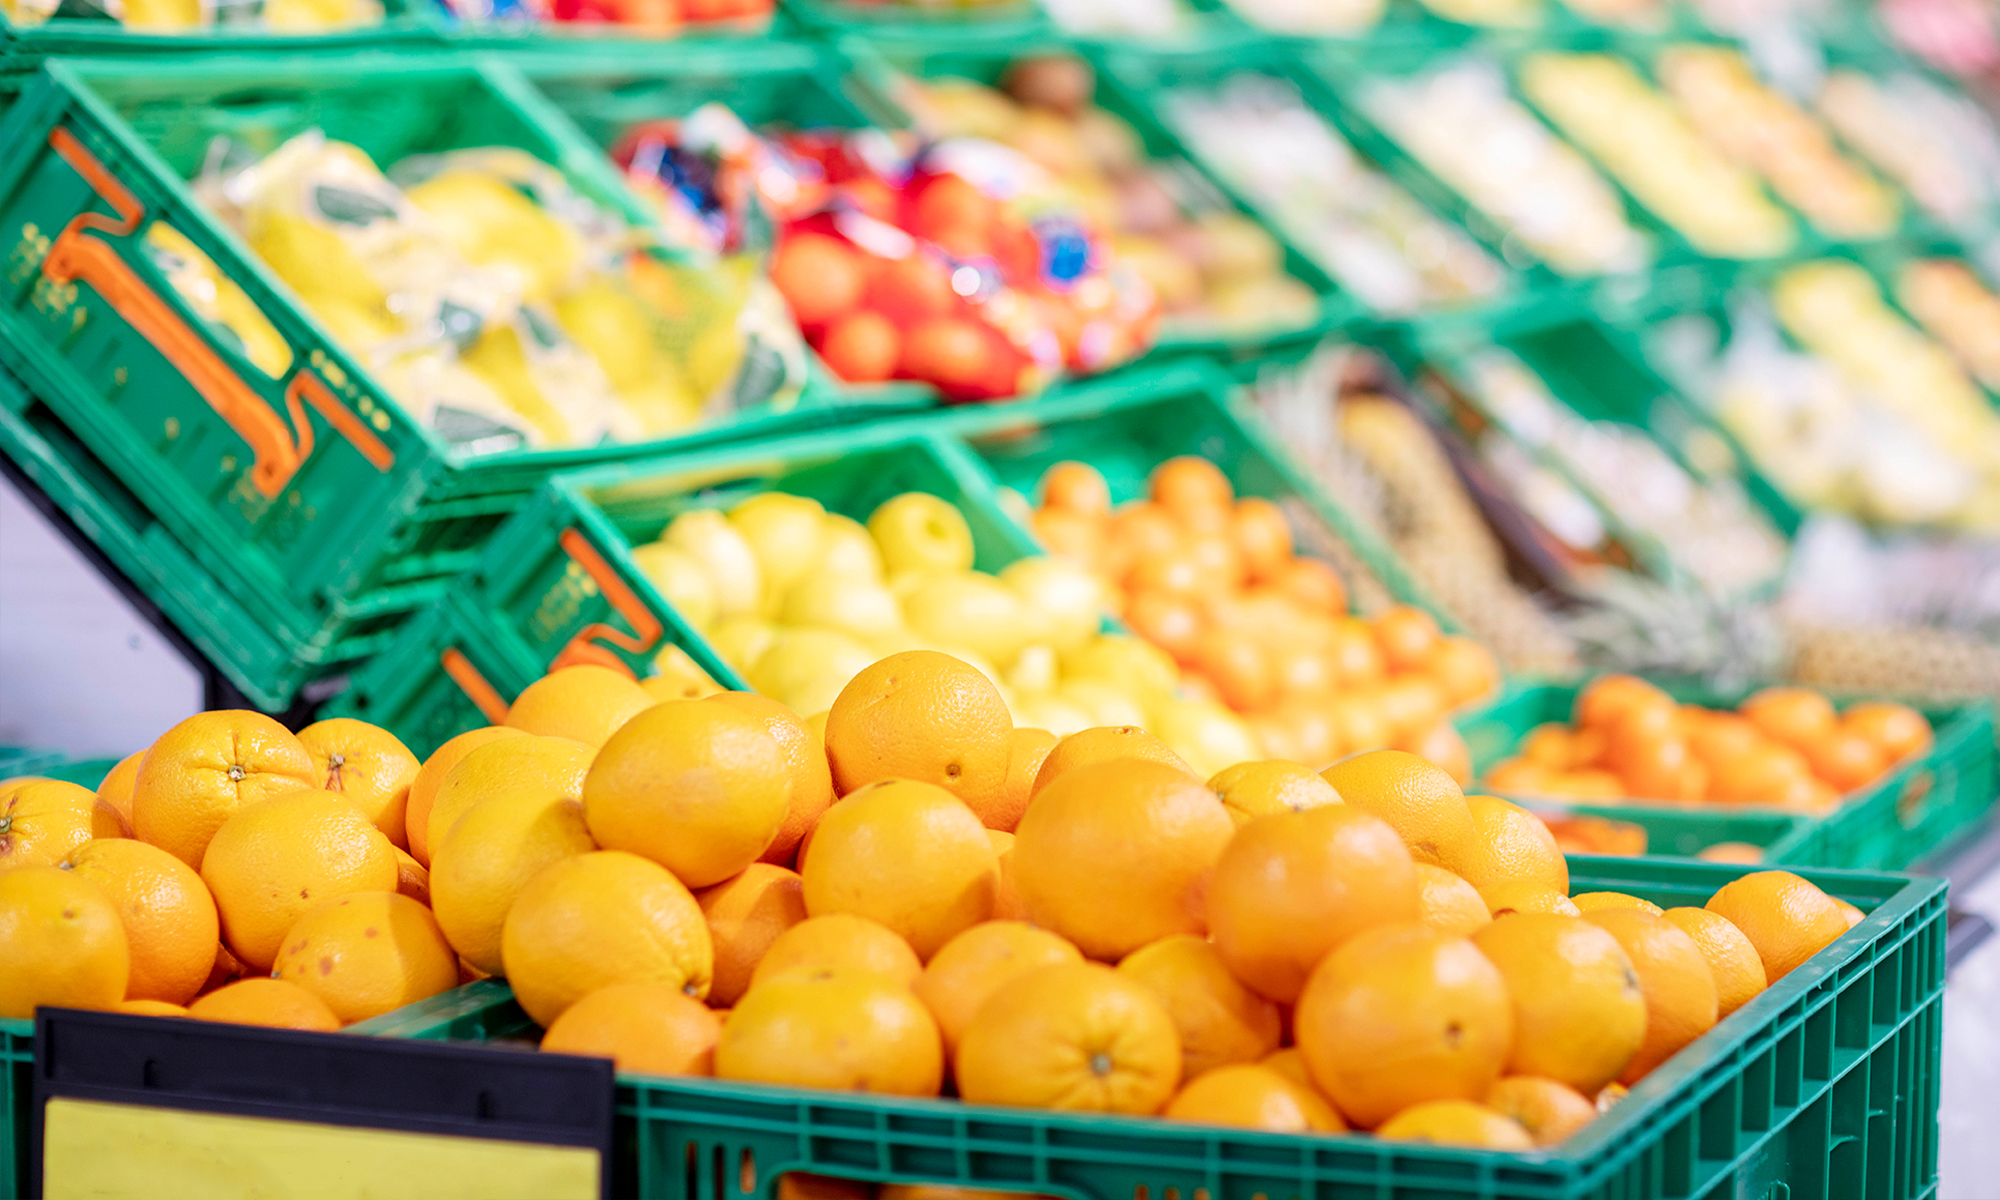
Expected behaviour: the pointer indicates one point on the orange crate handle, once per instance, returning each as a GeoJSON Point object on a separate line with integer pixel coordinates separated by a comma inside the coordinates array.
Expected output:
{"type": "Point", "coordinates": [584, 648]}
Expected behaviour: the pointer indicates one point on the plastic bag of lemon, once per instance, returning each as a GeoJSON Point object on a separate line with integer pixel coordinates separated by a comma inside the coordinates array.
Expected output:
{"type": "Point", "coordinates": [497, 305]}
{"type": "Point", "coordinates": [906, 890]}
{"type": "Point", "coordinates": [800, 600]}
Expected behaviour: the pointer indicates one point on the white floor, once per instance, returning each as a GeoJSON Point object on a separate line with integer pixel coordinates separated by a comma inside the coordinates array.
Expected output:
{"type": "Point", "coordinates": [82, 674]}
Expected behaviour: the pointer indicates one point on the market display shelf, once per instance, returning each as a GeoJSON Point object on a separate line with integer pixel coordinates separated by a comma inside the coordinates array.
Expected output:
{"type": "Point", "coordinates": [1825, 1084]}
{"type": "Point", "coordinates": [881, 59]}
{"type": "Point", "coordinates": [1920, 805]}
{"type": "Point", "coordinates": [559, 584]}
{"type": "Point", "coordinates": [310, 499]}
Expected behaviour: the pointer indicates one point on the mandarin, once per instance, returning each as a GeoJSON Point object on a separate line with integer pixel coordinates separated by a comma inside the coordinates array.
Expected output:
{"type": "Point", "coordinates": [1792, 715]}
{"type": "Point", "coordinates": [1896, 729]}
{"type": "Point", "coordinates": [1263, 537]}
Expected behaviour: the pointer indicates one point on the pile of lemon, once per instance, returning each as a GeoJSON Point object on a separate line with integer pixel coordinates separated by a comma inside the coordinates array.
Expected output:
{"type": "Point", "coordinates": [907, 895]}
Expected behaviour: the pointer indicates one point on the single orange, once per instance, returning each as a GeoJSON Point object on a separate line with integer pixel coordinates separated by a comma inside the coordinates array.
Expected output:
{"type": "Point", "coordinates": [1116, 854]}
{"type": "Point", "coordinates": [368, 766]}
{"type": "Point", "coordinates": [1400, 1015]}
{"type": "Point", "coordinates": [169, 917]}
{"type": "Point", "coordinates": [1408, 636]}
{"type": "Point", "coordinates": [1465, 669]}
{"type": "Point", "coordinates": [492, 851]}
{"type": "Point", "coordinates": [805, 758]}
{"type": "Point", "coordinates": [644, 1028]}
{"type": "Point", "coordinates": [1315, 585]}
{"type": "Point", "coordinates": [1456, 1123]}
{"type": "Point", "coordinates": [925, 716]}
{"type": "Point", "coordinates": [205, 768]}
{"type": "Point", "coordinates": [698, 786]}
{"type": "Point", "coordinates": [1896, 729]}
{"type": "Point", "coordinates": [1529, 897]}
{"type": "Point", "coordinates": [1786, 918]}
{"type": "Point", "coordinates": [1589, 902]}
{"type": "Point", "coordinates": [1027, 749]}
{"type": "Point", "coordinates": [1138, 532]}
{"type": "Point", "coordinates": [1077, 1036]}
{"type": "Point", "coordinates": [1171, 621]}
{"type": "Point", "coordinates": [116, 787]}
{"type": "Point", "coordinates": [43, 821]}
{"type": "Point", "coordinates": [1845, 759]}
{"type": "Point", "coordinates": [1104, 743]}
{"type": "Point", "coordinates": [907, 854]}
{"type": "Point", "coordinates": [1263, 537]}
{"type": "Point", "coordinates": [1244, 673]}
{"type": "Point", "coordinates": [1219, 1020]}
{"type": "Point", "coordinates": [746, 914]}
{"type": "Point", "coordinates": [1675, 977]}
{"type": "Point", "coordinates": [583, 703]}
{"type": "Point", "coordinates": [274, 861]}
{"type": "Point", "coordinates": [552, 768]}
{"type": "Point", "coordinates": [831, 1028]}
{"type": "Point", "coordinates": [366, 954]}
{"type": "Point", "coordinates": [1448, 903]}
{"type": "Point", "coordinates": [1415, 796]}
{"type": "Point", "coordinates": [1194, 490]}
{"type": "Point", "coordinates": [602, 918]}
{"type": "Point", "coordinates": [1255, 789]}
{"type": "Point", "coordinates": [1773, 773]}
{"type": "Point", "coordinates": [1292, 887]}
{"type": "Point", "coordinates": [1718, 738]}
{"type": "Point", "coordinates": [424, 785]}
{"type": "Point", "coordinates": [843, 942]}
{"type": "Point", "coordinates": [1792, 715]}
{"type": "Point", "coordinates": [966, 972]}
{"type": "Point", "coordinates": [1078, 487]}
{"type": "Point", "coordinates": [270, 1002]}
{"type": "Point", "coordinates": [1548, 1110]}
{"type": "Point", "coordinates": [1609, 697]}
{"type": "Point", "coordinates": [1513, 846]}
{"type": "Point", "coordinates": [62, 941]}
{"type": "Point", "coordinates": [1579, 1008]}
{"type": "Point", "coordinates": [150, 1008]}
{"type": "Point", "coordinates": [1252, 1096]}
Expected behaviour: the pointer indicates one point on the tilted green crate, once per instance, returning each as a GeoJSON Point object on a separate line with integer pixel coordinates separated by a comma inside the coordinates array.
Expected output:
{"type": "Point", "coordinates": [310, 499]}
{"type": "Point", "coordinates": [23, 46]}
{"type": "Point", "coordinates": [1920, 805]}
{"type": "Point", "coordinates": [1826, 1084]}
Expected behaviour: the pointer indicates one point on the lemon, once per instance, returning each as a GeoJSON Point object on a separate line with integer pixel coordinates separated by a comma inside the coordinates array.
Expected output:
{"type": "Point", "coordinates": [804, 669]}
{"type": "Point", "coordinates": [1064, 599]}
{"type": "Point", "coordinates": [731, 563]}
{"type": "Point", "coordinates": [740, 641]}
{"type": "Point", "coordinates": [1138, 666]}
{"type": "Point", "coordinates": [846, 550]}
{"type": "Point", "coordinates": [489, 221]}
{"type": "Point", "coordinates": [1207, 735]}
{"type": "Point", "coordinates": [1107, 703]}
{"type": "Point", "coordinates": [314, 260]}
{"type": "Point", "coordinates": [1034, 672]}
{"type": "Point", "coordinates": [681, 580]}
{"type": "Point", "coordinates": [917, 532]}
{"type": "Point", "coordinates": [1052, 713]}
{"type": "Point", "coordinates": [607, 322]}
{"type": "Point", "coordinates": [784, 533]}
{"type": "Point", "coordinates": [677, 676]}
{"type": "Point", "coordinates": [966, 608]}
{"type": "Point", "coordinates": [860, 608]}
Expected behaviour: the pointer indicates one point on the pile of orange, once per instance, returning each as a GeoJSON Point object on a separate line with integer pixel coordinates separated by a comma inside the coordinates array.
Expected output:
{"type": "Point", "coordinates": [1212, 579]}
{"type": "Point", "coordinates": [1783, 747]}
{"type": "Point", "coordinates": [906, 894]}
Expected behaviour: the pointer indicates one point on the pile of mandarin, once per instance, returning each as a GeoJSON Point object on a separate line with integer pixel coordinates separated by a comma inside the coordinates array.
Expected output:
{"type": "Point", "coordinates": [1212, 579]}
{"type": "Point", "coordinates": [1784, 747]}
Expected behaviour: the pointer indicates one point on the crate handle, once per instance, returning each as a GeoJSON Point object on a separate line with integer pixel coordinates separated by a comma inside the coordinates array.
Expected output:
{"type": "Point", "coordinates": [583, 649]}
{"type": "Point", "coordinates": [474, 685]}
{"type": "Point", "coordinates": [279, 454]}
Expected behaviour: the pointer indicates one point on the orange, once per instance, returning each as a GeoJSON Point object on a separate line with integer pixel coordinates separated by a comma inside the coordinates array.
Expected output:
{"type": "Point", "coordinates": [1218, 1019]}
{"type": "Point", "coordinates": [1447, 903]}
{"type": "Point", "coordinates": [424, 785]}
{"type": "Point", "coordinates": [1356, 656]}
{"type": "Point", "coordinates": [746, 914]}
{"type": "Point", "coordinates": [1786, 918]}
{"type": "Point", "coordinates": [861, 347]}
{"type": "Point", "coordinates": [1609, 697]}
{"type": "Point", "coordinates": [602, 918]}
{"type": "Point", "coordinates": [1548, 1110]}
{"type": "Point", "coordinates": [800, 1185]}
{"type": "Point", "coordinates": [479, 869]}
{"type": "Point", "coordinates": [819, 276]}
{"type": "Point", "coordinates": [226, 969]}
{"type": "Point", "coordinates": [1792, 715]}
{"type": "Point", "coordinates": [150, 1008]}
{"type": "Point", "coordinates": [1504, 898]}
{"type": "Point", "coordinates": [412, 879]}
{"type": "Point", "coordinates": [1408, 636]}
{"type": "Point", "coordinates": [1441, 744]}
{"type": "Point", "coordinates": [1896, 729]}
{"type": "Point", "coordinates": [1772, 773]}
{"type": "Point", "coordinates": [1007, 902]}
{"type": "Point", "coordinates": [1027, 749]}
{"type": "Point", "coordinates": [1292, 887]}
{"type": "Point", "coordinates": [1853, 915]}
{"type": "Point", "coordinates": [273, 861]}
{"type": "Point", "coordinates": [1399, 1015]}
{"type": "Point", "coordinates": [1732, 852]}
{"type": "Point", "coordinates": [1596, 901]}
{"type": "Point", "coordinates": [115, 788]}
{"type": "Point", "coordinates": [1138, 532]}
{"type": "Point", "coordinates": [925, 716]}
{"type": "Point", "coordinates": [367, 953]}
{"type": "Point", "coordinates": [1077, 1036]}
{"type": "Point", "coordinates": [1169, 621]}
{"type": "Point", "coordinates": [909, 855]}
{"type": "Point", "coordinates": [1463, 668]}
{"type": "Point", "coordinates": [169, 917]}
{"type": "Point", "coordinates": [1194, 490]}
{"type": "Point", "coordinates": [1845, 759]}
{"type": "Point", "coordinates": [1104, 743]}
{"type": "Point", "coordinates": [554, 768]}
{"type": "Point", "coordinates": [43, 820]}
{"type": "Point", "coordinates": [966, 972]}
{"type": "Point", "coordinates": [1519, 777]}
{"type": "Point", "coordinates": [841, 942]}
{"type": "Point", "coordinates": [698, 786]}
{"type": "Point", "coordinates": [644, 1028]}
{"type": "Point", "coordinates": [1579, 1009]}
{"type": "Point", "coordinates": [1316, 587]}
{"type": "Point", "coordinates": [1644, 749]}
{"type": "Point", "coordinates": [584, 703]}
{"type": "Point", "coordinates": [833, 1028]}
{"type": "Point", "coordinates": [1255, 789]}
{"type": "Point", "coordinates": [1262, 536]}
{"type": "Point", "coordinates": [1673, 974]}
{"type": "Point", "coordinates": [62, 941]}
{"type": "Point", "coordinates": [271, 1002]}
{"type": "Point", "coordinates": [1116, 854]}
{"type": "Point", "coordinates": [1717, 738]}
{"type": "Point", "coordinates": [1236, 662]}
{"type": "Point", "coordinates": [1416, 797]}
{"type": "Point", "coordinates": [1253, 1097]}
{"type": "Point", "coordinates": [368, 766]}
{"type": "Point", "coordinates": [1078, 487]}
{"type": "Point", "coordinates": [805, 761]}
{"type": "Point", "coordinates": [1456, 1123]}
{"type": "Point", "coordinates": [1074, 536]}
{"type": "Point", "coordinates": [1512, 845]}
{"type": "Point", "coordinates": [205, 768]}
{"type": "Point", "coordinates": [1550, 746]}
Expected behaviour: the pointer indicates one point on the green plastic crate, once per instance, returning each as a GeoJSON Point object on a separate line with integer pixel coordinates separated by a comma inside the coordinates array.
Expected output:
{"type": "Point", "coordinates": [19, 760]}
{"type": "Point", "coordinates": [1680, 833]}
{"type": "Point", "coordinates": [1920, 805]}
{"type": "Point", "coordinates": [24, 46]}
{"type": "Point", "coordinates": [312, 500]}
{"type": "Point", "coordinates": [880, 57]}
{"type": "Point", "coordinates": [1826, 1084]}
{"type": "Point", "coordinates": [17, 1080]}
{"type": "Point", "coordinates": [995, 22]}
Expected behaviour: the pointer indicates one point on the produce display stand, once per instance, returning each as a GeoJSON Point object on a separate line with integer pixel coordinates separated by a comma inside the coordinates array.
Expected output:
{"type": "Point", "coordinates": [1827, 1076]}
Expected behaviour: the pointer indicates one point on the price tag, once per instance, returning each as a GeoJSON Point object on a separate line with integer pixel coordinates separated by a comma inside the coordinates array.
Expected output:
{"type": "Point", "coordinates": [164, 1107]}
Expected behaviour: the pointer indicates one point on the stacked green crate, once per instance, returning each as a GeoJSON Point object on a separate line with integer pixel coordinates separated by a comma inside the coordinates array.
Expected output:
{"type": "Point", "coordinates": [24, 44]}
